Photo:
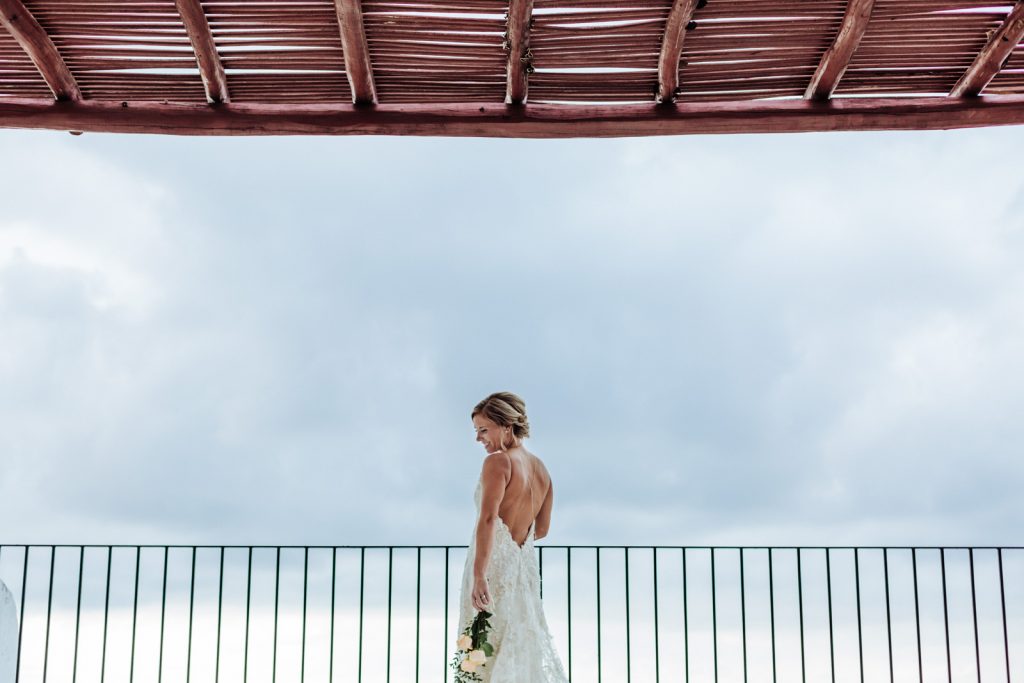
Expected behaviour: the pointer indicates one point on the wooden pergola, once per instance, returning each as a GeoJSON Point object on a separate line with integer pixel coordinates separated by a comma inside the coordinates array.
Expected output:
{"type": "Point", "coordinates": [509, 68]}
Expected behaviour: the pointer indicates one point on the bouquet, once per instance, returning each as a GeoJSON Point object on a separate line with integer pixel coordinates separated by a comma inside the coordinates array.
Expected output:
{"type": "Point", "coordinates": [473, 649]}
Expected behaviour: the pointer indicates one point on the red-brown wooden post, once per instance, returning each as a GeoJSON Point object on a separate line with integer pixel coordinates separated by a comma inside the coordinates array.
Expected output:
{"type": "Point", "coordinates": [672, 48]}
{"type": "Point", "coordinates": [993, 56]}
{"type": "Point", "coordinates": [210, 68]}
{"type": "Point", "coordinates": [518, 45]}
{"type": "Point", "coordinates": [357, 52]}
{"type": "Point", "coordinates": [36, 43]}
{"type": "Point", "coordinates": [837, 57]}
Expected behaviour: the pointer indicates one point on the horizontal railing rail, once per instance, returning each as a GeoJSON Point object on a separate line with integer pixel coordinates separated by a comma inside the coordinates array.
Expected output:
{"type": "Point", "coordinates": [616, 612]}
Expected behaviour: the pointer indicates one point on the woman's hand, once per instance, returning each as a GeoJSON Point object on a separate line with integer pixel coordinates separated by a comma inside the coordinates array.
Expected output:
{"type": "Point", "coordinates": [481, 593]}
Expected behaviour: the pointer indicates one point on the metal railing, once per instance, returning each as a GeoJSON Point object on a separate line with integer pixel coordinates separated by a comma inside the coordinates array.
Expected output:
{"type": "Point", "coordinates": [617, 613]}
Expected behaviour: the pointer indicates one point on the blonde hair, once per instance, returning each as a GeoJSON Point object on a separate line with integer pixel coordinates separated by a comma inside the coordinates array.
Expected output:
{"type": "Point", "coordinates": [505, 409]}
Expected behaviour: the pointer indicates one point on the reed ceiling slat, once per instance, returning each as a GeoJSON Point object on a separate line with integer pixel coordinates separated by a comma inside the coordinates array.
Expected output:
{"type": "Point", "coordinates": [570, 55]}
{"type": "Point", "coordinates": [19, 77]}
{"type": "Point", "coordinates": [467, 35]}
{"type": "Point", "coordinates": [896, 20]}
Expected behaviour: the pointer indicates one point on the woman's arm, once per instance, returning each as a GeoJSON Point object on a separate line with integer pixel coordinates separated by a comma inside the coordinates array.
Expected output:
{"type": "Point", "coordinates": [544, 516]}
{"type": "Point", "coordinates": [497, 470]}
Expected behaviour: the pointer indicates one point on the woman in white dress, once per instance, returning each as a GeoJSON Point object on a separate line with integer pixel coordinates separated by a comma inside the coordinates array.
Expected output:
{"type": "Point", "coordinates": [513, 501]}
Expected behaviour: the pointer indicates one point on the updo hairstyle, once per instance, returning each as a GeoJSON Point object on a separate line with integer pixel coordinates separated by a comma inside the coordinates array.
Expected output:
{"type": "Point", "coordinates": [505, 409]}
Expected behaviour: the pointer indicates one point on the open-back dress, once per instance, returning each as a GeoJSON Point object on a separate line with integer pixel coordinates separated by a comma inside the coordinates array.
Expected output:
{"type": "Point", "coordinates": [523, 647]}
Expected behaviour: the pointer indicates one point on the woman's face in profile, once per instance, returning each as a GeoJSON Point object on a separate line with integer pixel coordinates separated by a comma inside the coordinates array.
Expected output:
{"type": "Point", "coordinates": [488, 433]}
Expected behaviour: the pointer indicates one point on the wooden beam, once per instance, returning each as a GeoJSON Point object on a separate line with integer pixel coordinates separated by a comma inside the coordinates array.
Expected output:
{"type": "Point", "coordinates": [210, 68]}
{"type": "Point", "coordinates": [499, 120]}
{"type": "Point", "coordinates": [519, 55]}
{"type": "Point", "coordinates": [679, 18]}
{"type": "Point", "coordinates": [357, 52]}
{"type": "Point", "coordinates": [993, 56]}
{"type": "Point", "coordinates": [34, 40]}
{"type": "Point", "coordinates": [837, 57]}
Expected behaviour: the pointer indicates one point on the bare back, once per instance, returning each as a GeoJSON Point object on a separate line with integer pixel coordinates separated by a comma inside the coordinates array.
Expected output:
{"type": "Point", "coordinates": [518, 509]}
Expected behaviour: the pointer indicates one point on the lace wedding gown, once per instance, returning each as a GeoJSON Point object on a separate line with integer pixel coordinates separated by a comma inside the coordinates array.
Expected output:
{"type": "Point", "coordinates": [523, 648]}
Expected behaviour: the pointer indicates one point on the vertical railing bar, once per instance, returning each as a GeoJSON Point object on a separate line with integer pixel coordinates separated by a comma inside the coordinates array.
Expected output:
{"type": "Point", "coordinates": [597, 558]}
{"type": "Point", "coordinates": [888, 613]}
{"type": "Point", "coordinates": [418, 558]}
{"type": "Point", "coordinates": [568, 604]}
{"type": "Point", "coordinates": [1002, 600]}
{"type": "Point", "coordinates": [831, 633]}
{"type": "Point", "coordinates": [625, 557]}
{"type": "Point", "coordinates": [49, 608]}
{"type": "Point", "coordinates": [163, 615]}
{"type": "Point", "coordinates": [686, 626]}
{"type": "Point", "coordinates": [657, 660]}
{"type": "Point", "coordinates": [800, 606]}
{"type": "Point", "coordinates": [390, 575]}
{"type": "Point", "coordinates": [917, 616]}
{"type": "Point", "coordinates": [220, 605]}
{"type": "Point", "coordinates": [21, 628]}
{"type": "Point", "coordinates": [78, 611]}
{"type": "Point", "coordinates": [743, 616]}
{"type": "Point", "coordinates": [135, 612]}
{"type": "Point", "coordinates": [974, 608]}
{"type": "Point", "coordinates": [362, 587]}
{"type": "Point", "coordinates": [945, 615]}
{"type": "Point", "coordinates": [106, 615]}
{"type": "Point", "coordinates": [860, 639]}
{"type": "Point", "coordinates": [771, 605]}
{"type": "Point", "coordinates": [305, 601]}
{"type": "Point", "coordinates": [444, 631]}
{"type": "Point", "coordinates": [334, 582]}
{"type": "Point", "coordinates": [191, 608]}
{"type": "Point", "coordinates": [540, 569]}
{"type": "Point", "coordinates": [248, 609]}
{"type": "Point", "coordinates": [277, 593]}
{"type": "Point", "coordinates": [714, 615]}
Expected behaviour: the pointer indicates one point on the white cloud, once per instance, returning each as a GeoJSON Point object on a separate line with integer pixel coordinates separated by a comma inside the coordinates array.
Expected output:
{"type": "Point", "coordinates": [738, 337]}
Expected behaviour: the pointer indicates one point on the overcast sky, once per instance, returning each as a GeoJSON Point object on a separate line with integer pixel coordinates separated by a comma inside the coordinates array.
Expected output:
{"type": "Point", "coordinates": [750, 339]}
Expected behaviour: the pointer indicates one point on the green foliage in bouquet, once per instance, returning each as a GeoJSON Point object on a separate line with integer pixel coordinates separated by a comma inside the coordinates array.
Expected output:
{"type": "Point", "coordinates": [474, 650]}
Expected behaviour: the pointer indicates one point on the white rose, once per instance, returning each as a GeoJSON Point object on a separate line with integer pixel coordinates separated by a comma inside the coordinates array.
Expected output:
{"type": "Point", "coordinates": [464, 642]}
{"type": "Point", "coordinates": [468, 665]}
{"type": "Point", "coordinates": [477, 656]}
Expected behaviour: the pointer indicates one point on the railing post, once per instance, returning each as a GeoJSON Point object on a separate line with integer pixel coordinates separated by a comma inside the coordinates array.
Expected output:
{"type": "Point", "coordinates": [135, 612]}
{"type": "Point", "coordinates": [800, 606]}
{"type": "Point", "coordinates": [686, 626]}
{"type": "Point", "coordinates": [21, 620]}
{"type": "Point", "coordinates": [597, 558]}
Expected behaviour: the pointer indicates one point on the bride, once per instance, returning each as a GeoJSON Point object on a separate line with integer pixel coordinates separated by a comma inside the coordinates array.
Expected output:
{"type": "Point", "coordinates": [513, 500]}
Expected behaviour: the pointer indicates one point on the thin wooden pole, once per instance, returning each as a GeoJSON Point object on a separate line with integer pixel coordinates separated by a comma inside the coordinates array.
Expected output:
{"type": "Point", "coordinates": [357, 52]}
{"type": "Point", "coordinates": [679, 18]}
{"type": "Point", "coordinates": [837, 57]}
{"type": "Point", "coordinates": [520, 58]}
{"type": "Point", "coordinates": [36, 43]}
{"type": "Point", "coordinates": [993, 56]}
{"type": "Point", "coordinates": [210, 68]}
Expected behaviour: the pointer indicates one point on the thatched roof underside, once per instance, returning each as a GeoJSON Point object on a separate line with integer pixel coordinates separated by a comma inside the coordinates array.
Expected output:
{"type": "Point", "coordinates": [521, 68]}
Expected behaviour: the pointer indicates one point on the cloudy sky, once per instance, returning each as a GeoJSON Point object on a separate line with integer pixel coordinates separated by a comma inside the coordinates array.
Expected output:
{"type": "Point", "coordinates": [750, 339]}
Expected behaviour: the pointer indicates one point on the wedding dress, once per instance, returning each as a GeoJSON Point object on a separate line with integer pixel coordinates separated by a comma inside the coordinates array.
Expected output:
{"type": "Point", "coordinates": [523, 648]}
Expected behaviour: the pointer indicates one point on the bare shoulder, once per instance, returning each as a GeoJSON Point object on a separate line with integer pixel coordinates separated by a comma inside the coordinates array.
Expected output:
{"type": "Point", "coordinates": [498, 464]}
